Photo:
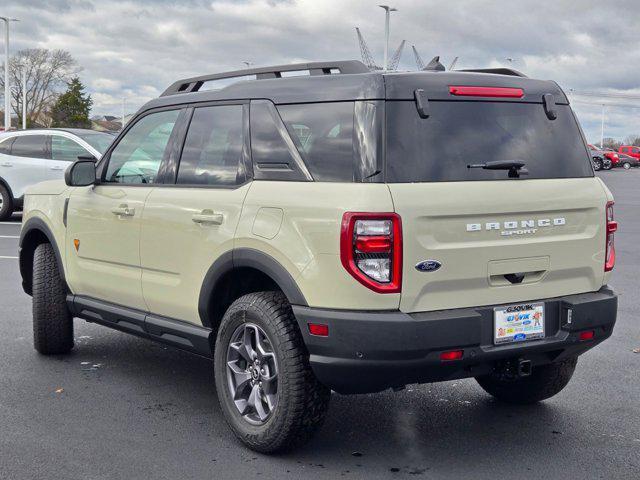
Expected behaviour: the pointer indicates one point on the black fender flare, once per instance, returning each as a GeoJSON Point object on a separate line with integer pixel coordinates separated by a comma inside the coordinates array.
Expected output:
{"type": "Point", "coordinates": [246, 257]}
{"type": "Point", "coordinates": [26, 247]}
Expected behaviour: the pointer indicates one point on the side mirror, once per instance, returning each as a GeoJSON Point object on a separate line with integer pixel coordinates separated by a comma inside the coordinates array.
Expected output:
{"type": "Point", "coordinates": [81, 174]}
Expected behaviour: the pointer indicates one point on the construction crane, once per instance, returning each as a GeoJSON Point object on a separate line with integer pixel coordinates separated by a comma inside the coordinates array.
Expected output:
{"type": "Point", "coordinates": [395, 59]}
{"type": "Point", "coordinates": [367, 58]}
{"type": "Point", "coordinates": [416, 55]}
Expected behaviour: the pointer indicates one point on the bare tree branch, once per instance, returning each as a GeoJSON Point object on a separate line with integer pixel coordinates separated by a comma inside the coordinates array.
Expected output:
{"type": "Point", "coordinates": [48, 72]}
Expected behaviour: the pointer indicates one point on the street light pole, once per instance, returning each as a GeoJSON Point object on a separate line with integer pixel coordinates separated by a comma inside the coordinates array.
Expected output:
{"type": "Point", "coordinates": [7, 86]}
{"type": "Point", "coordinates": [24, 97]}
{"type": "Point", "coordinates": [388, 11]}
{"type": "Point", "coordinates": [602, 129]}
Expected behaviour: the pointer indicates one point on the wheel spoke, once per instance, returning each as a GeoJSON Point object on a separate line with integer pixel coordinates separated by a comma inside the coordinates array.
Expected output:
{"type": "Point", "coordinates": [259, 405]}
{"type": "Point", "coordinates": [241, 379]}
{"type": "Point", "coordinates": [238, 347]}
{"type": "Point", "coordinates": [247, 341]}
{"type": "Point", "coordinates": [261, 351]}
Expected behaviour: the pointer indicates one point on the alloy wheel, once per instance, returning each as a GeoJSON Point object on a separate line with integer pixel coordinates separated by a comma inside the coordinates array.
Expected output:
{"type": "Point", "coordinates": [252, 373]}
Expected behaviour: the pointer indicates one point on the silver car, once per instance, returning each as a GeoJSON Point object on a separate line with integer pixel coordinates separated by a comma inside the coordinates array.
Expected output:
{"type": "Point", "coordinates": [32, 156]}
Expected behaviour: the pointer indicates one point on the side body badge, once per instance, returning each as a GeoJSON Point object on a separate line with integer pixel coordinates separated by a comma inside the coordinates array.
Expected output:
{"type": "Point", "coordinates": [428, 266]}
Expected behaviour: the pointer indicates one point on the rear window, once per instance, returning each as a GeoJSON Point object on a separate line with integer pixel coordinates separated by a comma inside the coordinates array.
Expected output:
{"type": "Point", "coordinates": [33, 146]}
{"type": "Point", "coordinates": [457, 134]}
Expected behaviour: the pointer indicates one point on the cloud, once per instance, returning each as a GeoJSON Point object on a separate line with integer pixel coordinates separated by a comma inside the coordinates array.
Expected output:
{"type": "Point", "coordinates": [135, 49]}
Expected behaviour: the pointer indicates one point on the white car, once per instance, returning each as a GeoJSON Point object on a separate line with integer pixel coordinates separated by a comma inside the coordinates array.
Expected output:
{"type": "Point", "coordinates": [28, 157]}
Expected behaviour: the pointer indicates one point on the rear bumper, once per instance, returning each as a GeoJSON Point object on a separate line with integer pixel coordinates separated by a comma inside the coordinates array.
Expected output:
{"type": "Point", "coordinates": [373, 351]}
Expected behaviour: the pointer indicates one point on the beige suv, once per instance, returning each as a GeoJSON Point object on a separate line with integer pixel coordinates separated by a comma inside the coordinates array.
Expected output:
{"type": "Point", "coordinates": [322, 227]}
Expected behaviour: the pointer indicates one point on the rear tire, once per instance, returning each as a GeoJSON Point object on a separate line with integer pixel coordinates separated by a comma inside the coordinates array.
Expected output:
{"type": "Point", "coordinates": [544, 382]}
{"type": "Point", "coordinates": [6, 203]}
{"type": "Point", "coordinates": [626, 165]}
{"type": "Point", "coordinates": [597, 164]}
{"type": "Point", "coordinates": [301, 401]}
{"type": "Point", "coordinates": [52, 321]}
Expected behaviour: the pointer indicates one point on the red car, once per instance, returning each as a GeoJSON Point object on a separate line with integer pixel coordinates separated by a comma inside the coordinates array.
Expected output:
{"type": "Point", "coordinates": [613, 156]}
{"type": "Point", "coordinates": [630, 150]}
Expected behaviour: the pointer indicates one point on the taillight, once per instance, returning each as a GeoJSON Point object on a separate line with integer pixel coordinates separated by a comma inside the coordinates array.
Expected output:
{"type": "Point", "coordinates": [610, 250]}
{"type": "Point", "coordinates": [371, 250]}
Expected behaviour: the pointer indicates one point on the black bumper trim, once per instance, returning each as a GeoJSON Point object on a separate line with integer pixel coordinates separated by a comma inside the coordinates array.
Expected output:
{"type": "Point", "coordinates": [372, 351]}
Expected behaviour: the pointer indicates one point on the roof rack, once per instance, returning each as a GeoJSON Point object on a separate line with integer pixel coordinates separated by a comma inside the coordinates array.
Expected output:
{"type": "Point", "coordinates": [194, 84]}
{"type": "Point", "coordinates": [496, 71]}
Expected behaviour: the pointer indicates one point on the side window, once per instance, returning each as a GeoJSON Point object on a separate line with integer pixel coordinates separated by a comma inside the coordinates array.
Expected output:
{"type": "Point", "coordinates": [212, 153]}
{"type": "Point", "coordinates": [33, 146]}
{"type": "Point", "coordinates": [273, 152]}
{"type": "Point", "coordinates": [5, 146]}
{"type": "Point", "coordinates": [323, 134]}
{"type": "Point", "coordinates": [138, 155]}
{"type": "Point", "coordinates": [65, 149]}
{"type": "Point", "coordinates": [636, 150]}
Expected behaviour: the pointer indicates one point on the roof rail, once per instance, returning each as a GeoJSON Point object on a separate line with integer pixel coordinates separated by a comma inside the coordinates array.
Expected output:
{"type": "Point", "coordinates": [496, 71]}
{"type": "Point", "coordinates": [194, 84]}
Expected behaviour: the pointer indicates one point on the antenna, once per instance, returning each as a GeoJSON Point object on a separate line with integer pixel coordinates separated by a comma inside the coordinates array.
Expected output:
{"type": "Point", "coordinates": [435, 65]}
{"type": "Point", "coordinates": [395, 60]}
{"type": "Point", "coordinates": [453, 64]}
{"type": "Point", "coordinates": [367, 58]}
{"type": "Point", "coordinates": [418, 58]}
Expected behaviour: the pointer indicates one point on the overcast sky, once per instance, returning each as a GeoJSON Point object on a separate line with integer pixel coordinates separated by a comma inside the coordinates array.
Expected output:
{"type": "Point", "coordinates": [135, 49]}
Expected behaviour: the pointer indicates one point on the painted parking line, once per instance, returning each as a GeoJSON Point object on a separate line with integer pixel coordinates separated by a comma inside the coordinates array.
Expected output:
{"type": "Point", "coordinates": [9, 236]}
{"type": "Point", "coordinates": [7, 258]}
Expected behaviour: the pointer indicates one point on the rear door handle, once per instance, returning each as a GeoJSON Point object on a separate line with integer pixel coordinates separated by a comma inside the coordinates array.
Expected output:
{"type": "Point", "coordinates": [208, 217]}
{"type": "Point", "coordinates": [57, 168]}
{"type": "Point", "coordinates": [7, 164]}
{"type": "Point", "coordinates": [124, 211]}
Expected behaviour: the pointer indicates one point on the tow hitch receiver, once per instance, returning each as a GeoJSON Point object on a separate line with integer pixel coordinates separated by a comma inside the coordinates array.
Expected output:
{"type": "Point", "coordinates": [524, 368]}
{"type": "Point", "coordinates": [513, 368]}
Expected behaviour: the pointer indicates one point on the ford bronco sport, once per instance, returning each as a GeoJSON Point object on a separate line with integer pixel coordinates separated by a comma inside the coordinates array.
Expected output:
{"type": "Point", "coordinates": [345, 230]}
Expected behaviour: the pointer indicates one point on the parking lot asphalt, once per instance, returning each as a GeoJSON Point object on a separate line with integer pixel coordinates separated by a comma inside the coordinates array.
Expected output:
{"type": "Point", "coordinates": [120, 407]}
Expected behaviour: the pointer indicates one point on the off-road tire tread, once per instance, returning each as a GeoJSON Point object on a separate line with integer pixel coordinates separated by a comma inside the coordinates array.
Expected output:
{"type": "Point", "coordinates": [7, 204]}
{"type": "Point", "coordinates": [544, 382]}
{"type": "Point", "coordinates": [305, 409]}
{"type": "Point", "coordinates": [52, 321]}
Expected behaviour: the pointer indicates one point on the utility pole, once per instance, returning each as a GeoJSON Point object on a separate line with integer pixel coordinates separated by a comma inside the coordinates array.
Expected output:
{"type": "Point", "coordinates": [7, 86]}
{"type": "Point", "coordinates": [24, 97]}
{"type": "Point", "coordinates": [602, 129]}
{"type": "Point", "coordinates": [388, 11]}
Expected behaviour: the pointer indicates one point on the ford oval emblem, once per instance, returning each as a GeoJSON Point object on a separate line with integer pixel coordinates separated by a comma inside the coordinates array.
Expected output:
{"type": "Point", "coordinates": [428, 266]}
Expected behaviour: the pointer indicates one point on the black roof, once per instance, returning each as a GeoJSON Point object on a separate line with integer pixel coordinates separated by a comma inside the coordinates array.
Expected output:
{"type": "Point", "coordinates": [354, 81]}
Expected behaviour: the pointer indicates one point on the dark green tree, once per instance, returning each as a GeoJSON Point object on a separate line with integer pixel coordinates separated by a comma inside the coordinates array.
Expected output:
{"type": "Point", "coordinates": [72, 108]}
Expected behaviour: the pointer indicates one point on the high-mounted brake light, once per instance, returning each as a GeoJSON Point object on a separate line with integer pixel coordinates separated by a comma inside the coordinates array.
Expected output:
{"type": "Point", "coordinates": [371, 250]}
{"type": "Point", "coordinates": [498, 92]}
{"type": "Point", "coordinates": [610, 249]}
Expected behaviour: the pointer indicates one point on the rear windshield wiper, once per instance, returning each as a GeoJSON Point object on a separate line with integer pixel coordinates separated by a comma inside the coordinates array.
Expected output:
{"type": "Point", "coordinates": [515, 167]}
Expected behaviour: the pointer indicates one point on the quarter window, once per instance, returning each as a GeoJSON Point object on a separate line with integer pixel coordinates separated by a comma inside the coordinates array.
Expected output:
{"type": "Point", "coordinates": [212, 153]}
{"type": "Point", "coordinates": [274, 155]}
{"type": "Point", "coordinates": [138, 155]}
{"type": "Point", "coordinates": [5, 146]}
{"type": "Point", "coordinates": [65, 149]}
{"type": "Point", "coordinates": [323, 134]}
{"type": "Point", "coordinates": [33, 146]}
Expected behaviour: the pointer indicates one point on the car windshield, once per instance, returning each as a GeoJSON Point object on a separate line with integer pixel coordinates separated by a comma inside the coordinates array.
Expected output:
{"type": "Point", "coordinates": [457, 134]}
{"type": "Point", "coordinates": [98, 140]}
